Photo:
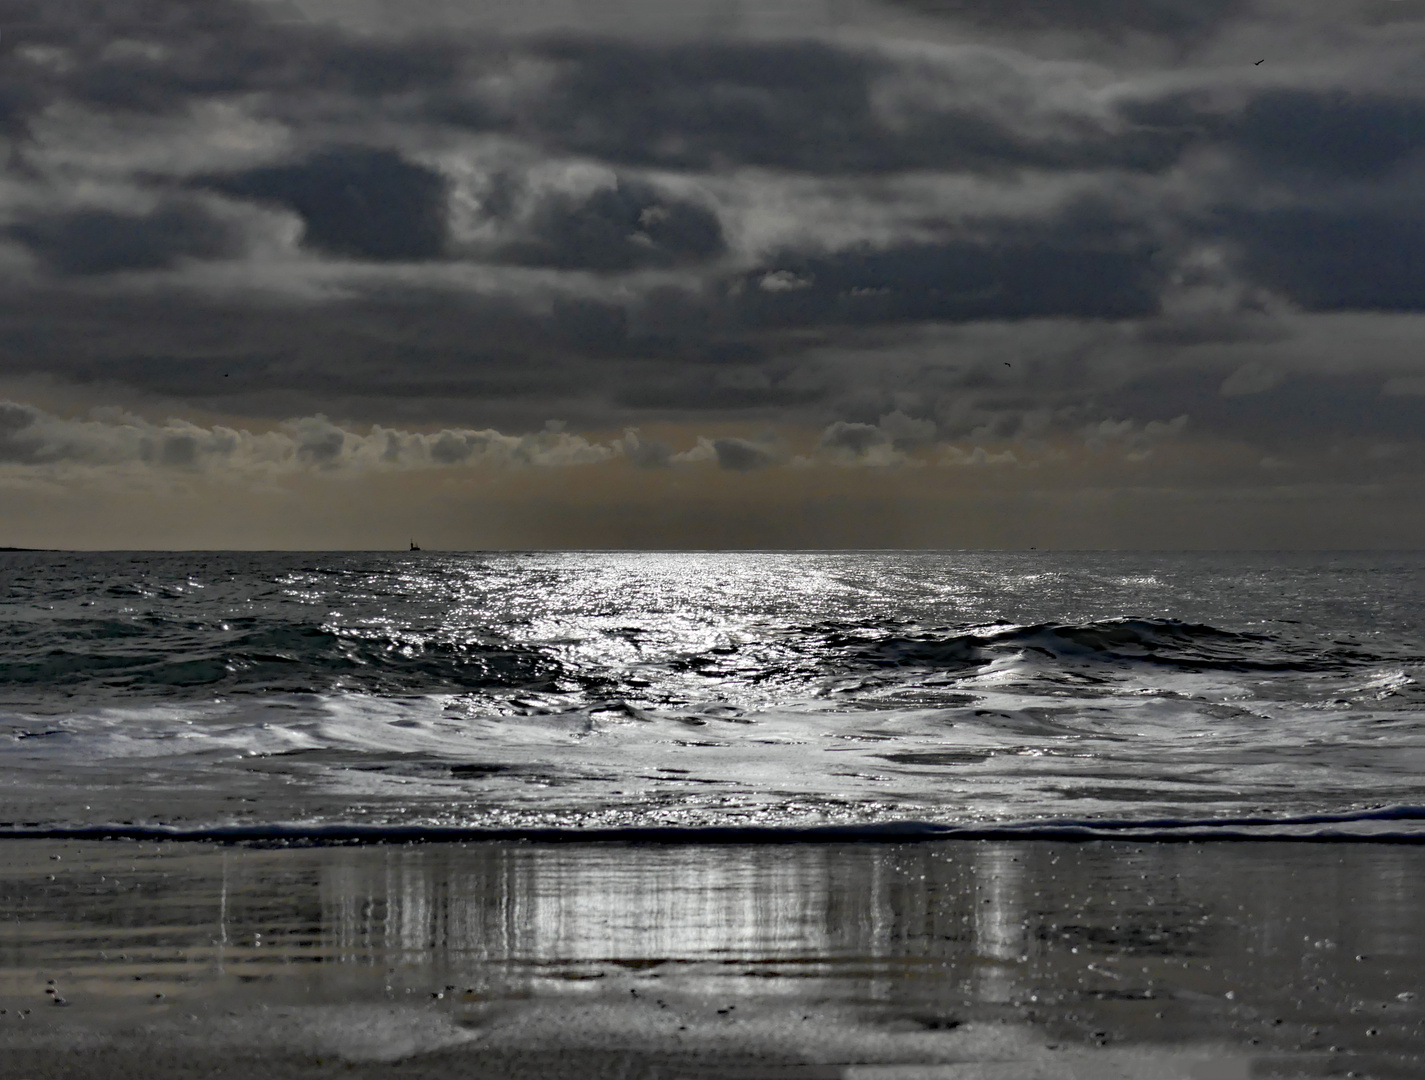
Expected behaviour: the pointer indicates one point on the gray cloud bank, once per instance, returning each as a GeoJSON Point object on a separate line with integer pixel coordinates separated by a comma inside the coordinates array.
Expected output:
{"type": "Point", "coordinates": [1002, 224]}
{"type": "Point", "coordinates": [111, 438]}
{"type": "Point", "coordinates": [108, 438]}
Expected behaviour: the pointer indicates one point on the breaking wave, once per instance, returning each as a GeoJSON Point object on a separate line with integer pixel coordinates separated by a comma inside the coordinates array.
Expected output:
{"type": "Point", "coordinates": [1193, 646]}
{"type": "Point", "coordinates": [890, 694]}
{"type": "Point", "coordinates": [254, 655]}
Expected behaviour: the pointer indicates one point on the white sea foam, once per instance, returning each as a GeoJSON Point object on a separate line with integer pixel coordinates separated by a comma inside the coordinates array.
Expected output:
{"type": "Point", "coordinates": [705, 691]}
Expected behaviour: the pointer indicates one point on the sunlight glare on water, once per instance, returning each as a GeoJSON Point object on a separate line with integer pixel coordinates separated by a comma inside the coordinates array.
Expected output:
{"type": "Point", "coordinates": [617, 690]}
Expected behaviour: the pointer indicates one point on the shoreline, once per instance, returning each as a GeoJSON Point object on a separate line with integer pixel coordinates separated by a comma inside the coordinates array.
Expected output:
{"type": "Point", "coordinates": [1372, 826]}
{"type": "Point", "coordinates": [919, 960]}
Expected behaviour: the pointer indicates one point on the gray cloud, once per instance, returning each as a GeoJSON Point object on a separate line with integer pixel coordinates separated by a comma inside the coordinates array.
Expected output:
{"type": "Point", "coordinates": [646, 453]}
{"type": "Point", "coordinates": [855, 438]}
{"type": "Point", "coordinates": [861, 244]}
{"type": "Point", "coordinates": [907, 431]}
{"type": "Point", "coordinates": [848, 443]}
{"type": "Point", "coordinates": [742, 455]}
{"type": "Point", "coordinates": [17, 442]}
{"type": "Point", "coordinates": [110, 438]}
{"type": "Point", "coordinates": [33, 437]}
{"type": "Point", "coordinates": [318, 441]}
{"type": "Point", "coordinates": [1253, 378]}
{"type": "Point", "coordinates": [96, 241]}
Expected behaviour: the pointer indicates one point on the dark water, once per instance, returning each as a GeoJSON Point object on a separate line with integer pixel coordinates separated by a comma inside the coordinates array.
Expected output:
{"type": "Point", "coordinates": [1230, 692]}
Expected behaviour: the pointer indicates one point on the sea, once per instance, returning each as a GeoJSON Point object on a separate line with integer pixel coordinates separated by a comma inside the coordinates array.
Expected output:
{"type": "Point", "coordinates": [720, 694]}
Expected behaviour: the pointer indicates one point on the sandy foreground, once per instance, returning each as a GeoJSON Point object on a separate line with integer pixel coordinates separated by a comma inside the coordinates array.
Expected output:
{"type": "Point", "coordinates": [936, 960]}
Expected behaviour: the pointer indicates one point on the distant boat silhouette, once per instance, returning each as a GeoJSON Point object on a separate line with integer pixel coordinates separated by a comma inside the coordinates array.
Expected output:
{"type": "Point", "coordinates": [415, 546]}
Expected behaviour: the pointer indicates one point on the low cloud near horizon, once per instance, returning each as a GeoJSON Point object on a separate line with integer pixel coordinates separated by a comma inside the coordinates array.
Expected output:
{"type": "Point", "coordinates": [724, 273]}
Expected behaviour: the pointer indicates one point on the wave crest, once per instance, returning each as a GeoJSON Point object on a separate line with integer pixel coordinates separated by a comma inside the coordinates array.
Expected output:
{"type": "Point", "coordinates": [1113, 641]}
{"type": "Point", "coordinates": [247, 655]}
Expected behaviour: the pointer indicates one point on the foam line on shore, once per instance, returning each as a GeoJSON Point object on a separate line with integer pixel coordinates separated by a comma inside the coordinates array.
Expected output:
{"type": "Point", "coordinates": [1372, 825]}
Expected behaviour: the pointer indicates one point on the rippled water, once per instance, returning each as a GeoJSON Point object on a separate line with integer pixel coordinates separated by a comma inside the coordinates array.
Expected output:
{"type": "Point", "coordinates": [727, 690]}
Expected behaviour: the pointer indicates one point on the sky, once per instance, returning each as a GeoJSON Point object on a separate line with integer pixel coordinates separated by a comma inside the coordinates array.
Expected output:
{"type": "Point", "coordinates": [713, 274]}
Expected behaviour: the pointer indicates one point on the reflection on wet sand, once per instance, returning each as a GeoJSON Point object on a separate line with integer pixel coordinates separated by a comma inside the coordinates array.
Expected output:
{"type": "Point", "coordinates": [1303, 957]}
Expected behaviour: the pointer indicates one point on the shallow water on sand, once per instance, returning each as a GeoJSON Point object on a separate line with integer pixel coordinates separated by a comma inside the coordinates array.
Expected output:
{"type": "Point", "coordinates": [1072, 959]}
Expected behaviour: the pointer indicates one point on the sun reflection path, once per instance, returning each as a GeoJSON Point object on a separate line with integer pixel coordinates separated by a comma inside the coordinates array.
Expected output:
{"type": "Point", "coordinates": [886, 949]}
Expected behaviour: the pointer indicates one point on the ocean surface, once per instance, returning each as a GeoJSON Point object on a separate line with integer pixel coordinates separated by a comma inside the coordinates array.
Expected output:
{"type": "Point", "coordinates": [896, 693]}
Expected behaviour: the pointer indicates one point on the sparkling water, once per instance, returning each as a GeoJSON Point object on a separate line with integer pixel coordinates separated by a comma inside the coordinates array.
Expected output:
{"type": "Point", "coordinates": [989, 692]}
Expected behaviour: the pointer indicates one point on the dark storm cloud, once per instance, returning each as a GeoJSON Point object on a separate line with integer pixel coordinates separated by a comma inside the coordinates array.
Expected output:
{"type": "Point", "coordinates": [1349, 135]}
{"type": "Point", "coordinates": [1328, 240]}
{"type": "Point", "coordinates": [805, 105]}
{"type": "Point", "coordinates": [1190, 19]}
{"type": "Point", "coordinates": [689, 104]}
{"type": "Point", "coordinates": [38, 14]}
{"type": "Point", "coordinates": [663, 323]}
{"type": "Point", "coordinates": [384, 343]}
{"type": "Point", "coordinates": [808, 106]}
{"type": "Point", "coordinates": [1330, 132]}
{"type": "Point", "coordinates": [1279, 406]}
{"type": "Point", "coordinates": [673, 388]}
{"type": "Point", "coordinates": [623, 231]}
{"type": "Point", "coordinates": [1329, 259]}
{"type": "Point", "coordinates": [54, 51]}
{"type": "Point", "coordinates": [355, 202]}
{"type": "Point", "coordinates": [594, 327]}
{"type": "Point", "coordinates": [628, 225]}
{"type": "Point", "coordinates": [160, 55]}
{"type": "Point", "coordinates": [102, 241]}
{"type": "Point", "coordinates": [478, 359]}
{"type": "Point", "coordinates": [954, 281]}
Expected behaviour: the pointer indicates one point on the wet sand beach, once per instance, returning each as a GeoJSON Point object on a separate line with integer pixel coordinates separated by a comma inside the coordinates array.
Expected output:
{"type": "Point", "coordinates": [878, 961]}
